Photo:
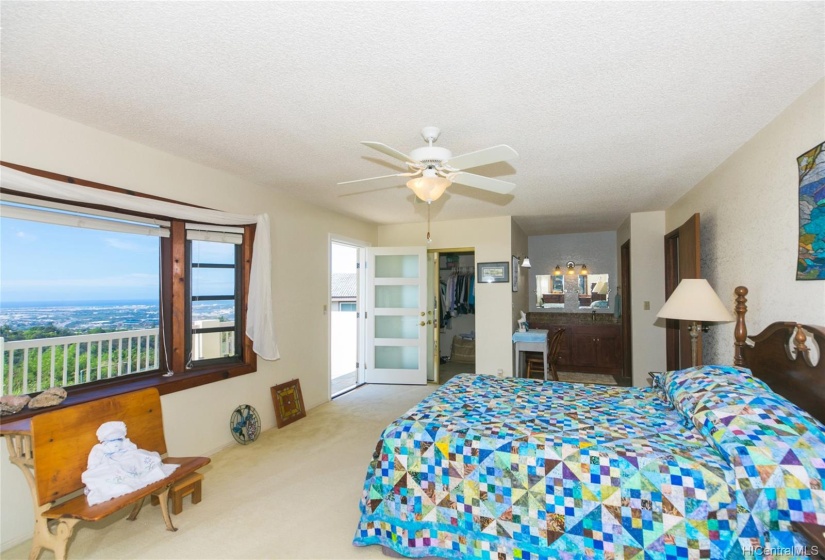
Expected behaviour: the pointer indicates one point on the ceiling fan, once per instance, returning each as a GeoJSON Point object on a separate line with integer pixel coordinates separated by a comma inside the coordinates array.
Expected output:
{"type": "Point", "coordinates": [432, 169]}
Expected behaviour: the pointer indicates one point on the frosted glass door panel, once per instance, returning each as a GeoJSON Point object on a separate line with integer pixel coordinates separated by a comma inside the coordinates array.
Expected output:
{"type": "Point", "coordinates": [396, 266]}
{"type": "Point", "coordinates": [390, 326]}
{"type": "Point", "coordinates": [396, 357]}
{"type": "Point", "coordinates": [405, 297]}
{"type": "Point", "coordinates": [396, 315]}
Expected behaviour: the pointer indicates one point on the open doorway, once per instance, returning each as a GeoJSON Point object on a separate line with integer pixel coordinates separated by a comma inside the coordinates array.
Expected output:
{"type": "Point", "coordinates": [345, 342]}
{"type": "Point", "coordinates": [454, 295]}
{"type": "Point", "coordinates": [682, 260]}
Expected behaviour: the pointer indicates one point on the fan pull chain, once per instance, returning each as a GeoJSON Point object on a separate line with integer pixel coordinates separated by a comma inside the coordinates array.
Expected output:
{"type": "Point", "coordinates": [428, 222]}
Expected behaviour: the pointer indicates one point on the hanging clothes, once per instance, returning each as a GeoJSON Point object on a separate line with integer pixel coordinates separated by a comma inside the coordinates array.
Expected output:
{"type": "Point", "coordinates": [457, 290]}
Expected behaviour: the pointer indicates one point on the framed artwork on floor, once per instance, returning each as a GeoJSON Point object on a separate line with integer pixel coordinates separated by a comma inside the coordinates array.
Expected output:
{"type": "Point", "coordinates": [288, 402]}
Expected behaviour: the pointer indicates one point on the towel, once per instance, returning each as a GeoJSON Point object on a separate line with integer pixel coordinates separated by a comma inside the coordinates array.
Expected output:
{"type": "Point", "coordinates": [117, 467]}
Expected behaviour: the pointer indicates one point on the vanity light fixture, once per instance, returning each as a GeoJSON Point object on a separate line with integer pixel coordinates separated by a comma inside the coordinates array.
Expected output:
{"type": "Point", "coordinates": [525, 263]}
{"type": "Point", "coordinates": [557, 271]}
{"type": "Point", "coordinates": [571, 269]}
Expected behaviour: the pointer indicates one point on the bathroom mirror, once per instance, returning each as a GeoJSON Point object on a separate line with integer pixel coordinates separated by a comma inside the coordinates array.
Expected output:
{"type": "Point", "coordinates": [594, 291]}
{"type": "Point", "coordinates": [549, 291]}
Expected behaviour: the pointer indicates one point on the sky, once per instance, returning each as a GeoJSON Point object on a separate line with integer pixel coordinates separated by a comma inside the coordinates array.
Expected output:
{"type": "Point", "coordinates": [344, 258]}
{"type": "Point", "coordinates": [45, 262]}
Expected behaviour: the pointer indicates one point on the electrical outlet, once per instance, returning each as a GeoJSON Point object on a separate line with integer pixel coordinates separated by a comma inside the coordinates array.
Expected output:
{"type": "Point", "coordinates": [647, 306]}
{"type": "Point", "coordinates": [500, 372]}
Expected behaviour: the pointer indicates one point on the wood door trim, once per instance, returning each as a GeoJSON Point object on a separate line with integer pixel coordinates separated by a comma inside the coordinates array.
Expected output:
{"type": "Point", "coordinates": [627, 326]}
{"type": "Point", "coordinates": [682, 260]}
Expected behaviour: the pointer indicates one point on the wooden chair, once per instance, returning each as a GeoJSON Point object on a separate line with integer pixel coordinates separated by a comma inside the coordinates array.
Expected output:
{"type": "Point", "coordinates": [553, 350]}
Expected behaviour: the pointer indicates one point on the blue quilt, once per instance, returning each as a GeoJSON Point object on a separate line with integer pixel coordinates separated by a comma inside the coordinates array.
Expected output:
{"type": "Point", "coordinates": [516, 468]}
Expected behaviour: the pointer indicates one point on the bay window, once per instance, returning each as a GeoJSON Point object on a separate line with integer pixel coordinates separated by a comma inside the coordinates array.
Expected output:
{"type": "Point", "coordinates": [163, 299]}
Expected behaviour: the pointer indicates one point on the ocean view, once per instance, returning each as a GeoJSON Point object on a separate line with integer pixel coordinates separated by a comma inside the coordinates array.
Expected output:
{"type": "Point", "coordinates": [81, 316]}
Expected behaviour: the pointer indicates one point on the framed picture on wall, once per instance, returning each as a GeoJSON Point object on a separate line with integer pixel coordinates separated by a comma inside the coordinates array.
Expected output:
{"type": "Point", "coordinates": [516, 270]}
{"type": "Point", "coordinates": [493, 272]}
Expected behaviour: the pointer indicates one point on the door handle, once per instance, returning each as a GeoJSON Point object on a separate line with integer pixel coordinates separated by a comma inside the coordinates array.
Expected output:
{"type": "Point", "coordinates": [422, 323]}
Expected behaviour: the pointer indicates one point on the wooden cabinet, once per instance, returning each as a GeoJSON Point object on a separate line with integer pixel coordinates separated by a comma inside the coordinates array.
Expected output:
{"type": "Point", "coordinates": [596, 348]}
{"type": "Point", "coordinates": [564, 350]}
{"type": "Point", "coordinates": [586, 347]}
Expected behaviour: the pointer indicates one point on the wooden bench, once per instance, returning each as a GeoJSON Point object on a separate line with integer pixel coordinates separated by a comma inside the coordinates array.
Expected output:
{"type": "Point", "coordinates": [52, 450]}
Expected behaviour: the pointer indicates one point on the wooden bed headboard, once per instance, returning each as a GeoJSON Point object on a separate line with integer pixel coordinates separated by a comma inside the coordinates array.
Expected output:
{"type": "Point", "coordinates": [781, 356]}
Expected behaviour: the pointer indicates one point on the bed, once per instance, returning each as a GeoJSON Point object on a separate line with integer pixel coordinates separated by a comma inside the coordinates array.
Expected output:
{"type": "Point", "coordinates": [710, 462]}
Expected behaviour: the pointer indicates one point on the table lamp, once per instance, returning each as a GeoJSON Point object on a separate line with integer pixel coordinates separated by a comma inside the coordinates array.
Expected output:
{"type": "Point", "coordinates": [695, 301]}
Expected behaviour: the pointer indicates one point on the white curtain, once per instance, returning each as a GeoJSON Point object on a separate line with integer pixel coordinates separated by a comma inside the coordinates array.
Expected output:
{"type": "Point", "coordinates": [260, 325]}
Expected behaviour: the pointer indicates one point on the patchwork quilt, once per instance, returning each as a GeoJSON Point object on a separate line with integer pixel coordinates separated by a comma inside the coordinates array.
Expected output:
{"type": "Point", "coordinates": [517, 468]}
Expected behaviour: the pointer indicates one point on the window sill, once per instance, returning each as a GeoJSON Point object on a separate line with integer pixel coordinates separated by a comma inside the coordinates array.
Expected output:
{"type": "Point", "coordinates": [165, 385]}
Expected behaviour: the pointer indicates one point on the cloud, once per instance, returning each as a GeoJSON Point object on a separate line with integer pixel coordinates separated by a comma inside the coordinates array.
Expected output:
{"type": "Point", "coordinates": [23, 236]}
{"type": "Point", "coordinates": [136, 280]}
{"type": "Point", "coordinates": [123, 245]}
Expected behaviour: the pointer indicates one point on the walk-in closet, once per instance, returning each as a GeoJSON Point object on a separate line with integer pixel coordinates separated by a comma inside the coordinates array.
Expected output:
{"type": "Point", "coordinates": [457, 321]}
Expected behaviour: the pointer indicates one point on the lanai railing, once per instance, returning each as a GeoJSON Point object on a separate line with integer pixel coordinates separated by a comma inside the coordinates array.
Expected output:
{"type": "Point", "coordinates": [36, 365]}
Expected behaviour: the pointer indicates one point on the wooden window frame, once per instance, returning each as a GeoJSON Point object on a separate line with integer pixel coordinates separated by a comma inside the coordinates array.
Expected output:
{"type": "Point", "coordinates": [236, 329]}
{"type": "Point", "coordinates": [174, 280]}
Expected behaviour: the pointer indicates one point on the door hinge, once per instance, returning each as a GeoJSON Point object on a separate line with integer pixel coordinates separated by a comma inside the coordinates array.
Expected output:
{"type": "Point", "coordinates": [357, 314]}
{"type": "Point", "coordinates": [365, 314]}
{"type": "Point", "coordinates": [356, 365]}
{"type": "Point", "coordinates": [358, 265]}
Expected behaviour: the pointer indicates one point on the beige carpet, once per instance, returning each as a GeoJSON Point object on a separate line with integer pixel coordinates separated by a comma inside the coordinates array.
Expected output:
{"type": "Point", "coordinates": [451, 369]}
{"type": "Point", "coordinates": [294, 493]}
{"type": "Point", "coordinates": [598, 378]}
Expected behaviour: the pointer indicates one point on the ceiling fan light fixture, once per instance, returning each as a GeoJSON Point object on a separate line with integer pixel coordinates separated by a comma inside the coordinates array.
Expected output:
{"type": "Point", "coordinates": [430, 186]}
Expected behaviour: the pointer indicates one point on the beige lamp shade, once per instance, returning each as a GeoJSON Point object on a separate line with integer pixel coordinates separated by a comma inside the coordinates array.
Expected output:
{"type": "Point", "coordinates": [695, 300]}
{"type": "Point", "coordinates": [430, 186]}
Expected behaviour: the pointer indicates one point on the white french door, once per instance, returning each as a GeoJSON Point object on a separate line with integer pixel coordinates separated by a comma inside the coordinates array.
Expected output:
{"type": "Point", "coordinates": [397, 315]}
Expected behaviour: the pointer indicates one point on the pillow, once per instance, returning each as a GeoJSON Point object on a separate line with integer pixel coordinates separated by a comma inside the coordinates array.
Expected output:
{"type": "Point", "coordinates": [687, 388]}
{"type": "Point", "coordinates": [776, 451]}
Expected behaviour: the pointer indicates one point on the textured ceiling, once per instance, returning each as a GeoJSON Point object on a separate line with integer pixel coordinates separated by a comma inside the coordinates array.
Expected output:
{"type": "Point", "coordinates": [613, 107]}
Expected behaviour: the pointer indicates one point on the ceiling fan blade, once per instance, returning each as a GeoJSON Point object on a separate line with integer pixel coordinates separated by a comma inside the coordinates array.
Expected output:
{"type": "Point", "coordinates": [367, 191]}
{"type": "Point", "coordinates": [481, 182]}
{"type": "Point", "coordinates": [392, 152]}
{"type": "Point", "coordinates": [502, 152]}
{"type": "Point", "coordinates": [386, 180]}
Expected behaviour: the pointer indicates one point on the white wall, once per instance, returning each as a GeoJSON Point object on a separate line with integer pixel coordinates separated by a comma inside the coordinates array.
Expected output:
{"type": "Point", "coordinates": [195, 420]}
{"type": "Point", "coordinates": [490, 238]}
{"type": "Point", "coordinates": [647, 277]}
{"type": "Point", "coordinates": [596, 249]}
{"type": "Point", "coordinates": [343, 332]}
{"type": "Point", "coordinates": [749, 209]}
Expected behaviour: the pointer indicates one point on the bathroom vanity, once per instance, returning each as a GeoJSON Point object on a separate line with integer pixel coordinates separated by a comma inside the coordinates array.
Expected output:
{"type": "Point", "coordinates": [592, 343]}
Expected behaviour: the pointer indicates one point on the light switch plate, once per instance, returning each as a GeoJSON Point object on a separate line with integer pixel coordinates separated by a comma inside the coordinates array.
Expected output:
{"type": "Point", "coordinates": [647, 306]}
